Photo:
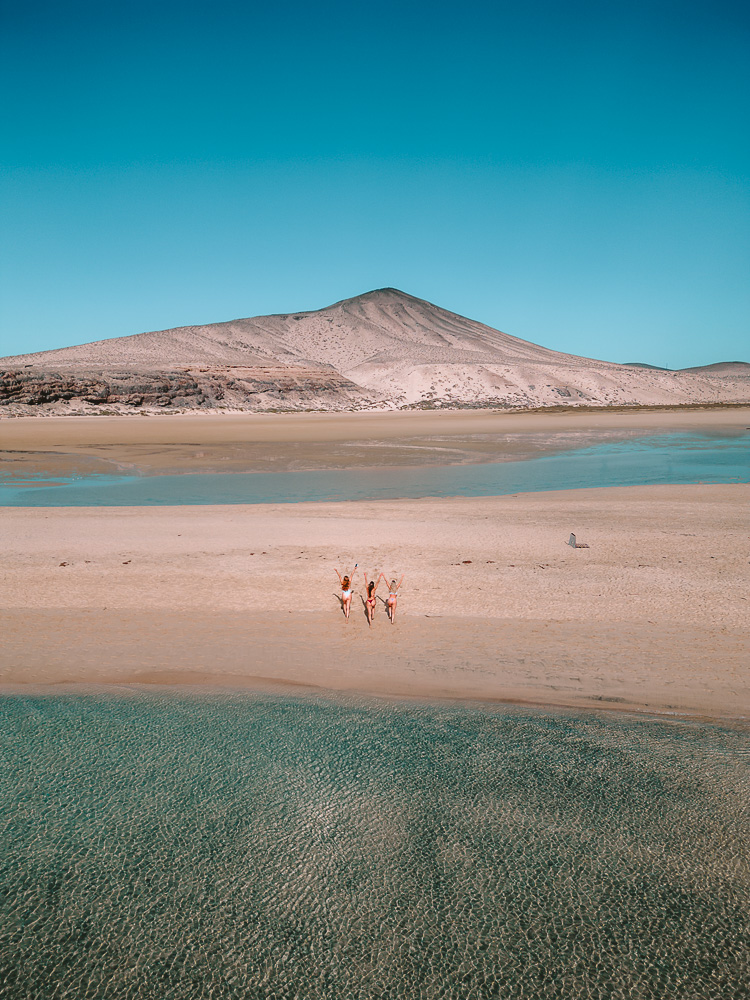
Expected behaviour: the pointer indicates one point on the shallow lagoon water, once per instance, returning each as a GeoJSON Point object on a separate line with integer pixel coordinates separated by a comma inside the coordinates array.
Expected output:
{"type": "Point", "coordinates": [232, 845]}
{"type": "Point", "coordinates": [638, 460]}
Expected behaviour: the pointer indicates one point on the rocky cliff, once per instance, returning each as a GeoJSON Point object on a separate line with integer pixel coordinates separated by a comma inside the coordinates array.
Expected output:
{"type": "Point", "coordinates": [35, 388]}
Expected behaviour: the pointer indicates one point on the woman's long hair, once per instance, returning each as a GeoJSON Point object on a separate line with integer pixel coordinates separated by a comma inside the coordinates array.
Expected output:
{"type": "Point", "coordinates": [345, 583]}
{"type": "Point", "coordinates": [370, 588]}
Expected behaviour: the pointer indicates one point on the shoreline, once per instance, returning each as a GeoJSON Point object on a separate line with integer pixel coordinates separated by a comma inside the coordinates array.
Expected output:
{"type": "Point", "coordinates": [261, 687]}
{"type": "Point", "coordinates": [496, 606]}
{"type": "Point", "coordinates": [533, 680]}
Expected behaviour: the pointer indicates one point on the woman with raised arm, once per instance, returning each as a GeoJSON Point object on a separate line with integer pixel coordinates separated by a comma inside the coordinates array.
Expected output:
{"type": "Point", "coordinates": [370, 599]}
{"type": "Point", "coordinates": [346, 591]}
{"type": "Point", "coordinates": [390, 603]}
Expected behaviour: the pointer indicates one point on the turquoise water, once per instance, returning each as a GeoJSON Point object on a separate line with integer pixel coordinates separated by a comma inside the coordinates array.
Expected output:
{"type": "Point", "coordinates": [653, 459]}
{"type": "Point", "coordinates": [236, 846]}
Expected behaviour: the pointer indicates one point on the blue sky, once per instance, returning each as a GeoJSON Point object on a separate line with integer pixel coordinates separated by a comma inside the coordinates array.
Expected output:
{"type": "Point", "coordinates": [574, 174]}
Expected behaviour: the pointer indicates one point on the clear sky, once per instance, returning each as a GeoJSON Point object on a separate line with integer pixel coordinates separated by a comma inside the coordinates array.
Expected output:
{"type": "Point", "coordinates": [575, 174]}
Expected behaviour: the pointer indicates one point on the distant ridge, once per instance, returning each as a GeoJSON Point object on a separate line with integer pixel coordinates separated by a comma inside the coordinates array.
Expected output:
{"type": "Point", "coordinates": [641, 364]}
{"type": "Point", "coordinates": [383, 349]}
{"type": "Point", "coordinates": [737, 368]}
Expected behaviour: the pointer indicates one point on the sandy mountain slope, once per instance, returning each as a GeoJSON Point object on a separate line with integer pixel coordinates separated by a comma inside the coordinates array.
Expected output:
{"type": "Point", "coordinates": [383, 348]}
{"type": "Point", "coordinates": [384, 324]}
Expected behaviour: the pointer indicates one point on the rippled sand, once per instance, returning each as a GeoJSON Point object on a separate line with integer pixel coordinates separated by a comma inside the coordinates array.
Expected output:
{"type": "Point", "coordinates": [160, 845]}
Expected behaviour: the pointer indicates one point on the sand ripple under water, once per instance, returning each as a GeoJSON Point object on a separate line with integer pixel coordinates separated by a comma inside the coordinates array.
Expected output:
{"type": "Point", "coordinates": [221, 845]}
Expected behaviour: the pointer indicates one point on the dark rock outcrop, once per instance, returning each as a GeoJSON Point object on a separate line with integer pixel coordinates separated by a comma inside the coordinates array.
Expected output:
{"type": "Point", "coordinates": [266, 387]}
{"type": "Point", "coordinates": [35, 387]}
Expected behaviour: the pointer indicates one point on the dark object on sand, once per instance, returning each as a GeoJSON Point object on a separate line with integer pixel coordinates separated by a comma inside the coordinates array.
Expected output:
{"type": "Point", "coordinates": [576, 545]}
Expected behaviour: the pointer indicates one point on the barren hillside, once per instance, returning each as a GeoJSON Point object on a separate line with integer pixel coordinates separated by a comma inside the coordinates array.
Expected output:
{"type": "Point", "coordinates": [384, 348]}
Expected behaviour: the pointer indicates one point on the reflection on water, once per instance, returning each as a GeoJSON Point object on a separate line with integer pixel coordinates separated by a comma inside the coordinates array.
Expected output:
{"type": "Point", "coordinates": [663, 458]}
{"type": "Point", "coordinates": [236, 846]}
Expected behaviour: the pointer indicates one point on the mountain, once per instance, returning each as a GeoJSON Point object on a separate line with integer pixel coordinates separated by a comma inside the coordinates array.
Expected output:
{"type": "Point", "coordinates": [729, 369]}
{"type": "Point", "coordinates": [382, 349]}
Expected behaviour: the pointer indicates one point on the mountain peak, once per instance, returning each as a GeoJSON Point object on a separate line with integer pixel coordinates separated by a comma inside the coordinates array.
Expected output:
{"type": "Point", "coordinates": [383, 295]}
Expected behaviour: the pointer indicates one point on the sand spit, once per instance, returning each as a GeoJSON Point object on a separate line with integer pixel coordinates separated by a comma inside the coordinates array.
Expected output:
{"type": "Point", "coordinates": [280, 442]}
{"type": "Point", "coordinates": [652, 616]}
{"type": "Point", "coordinates": [383, 349]}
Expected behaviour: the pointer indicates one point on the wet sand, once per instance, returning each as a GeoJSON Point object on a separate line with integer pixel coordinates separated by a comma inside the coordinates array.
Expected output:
{"type": "Point", "coordinates": [249, 442]}
{"type": "Point", "coordinates": [652, 616]}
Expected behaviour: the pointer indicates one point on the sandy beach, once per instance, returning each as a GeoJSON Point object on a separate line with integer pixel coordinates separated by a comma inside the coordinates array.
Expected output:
{"type": "Point", "coordinates": [653, 615]}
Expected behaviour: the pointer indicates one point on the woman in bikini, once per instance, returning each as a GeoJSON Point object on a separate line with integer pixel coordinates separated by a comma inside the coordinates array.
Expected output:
{"type": "Point", "coordinates": [392, 596]}
{"type": "Point", "coordinates": [346, 591]}
{"type": "Point", "coordinates": [370, 599]}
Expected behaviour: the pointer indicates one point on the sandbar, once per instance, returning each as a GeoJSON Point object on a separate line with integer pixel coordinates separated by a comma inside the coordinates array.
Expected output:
{"type": "Point", "coordinates": [652, 616]}
{"type": "Point", "coordinates": [255, 442]}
